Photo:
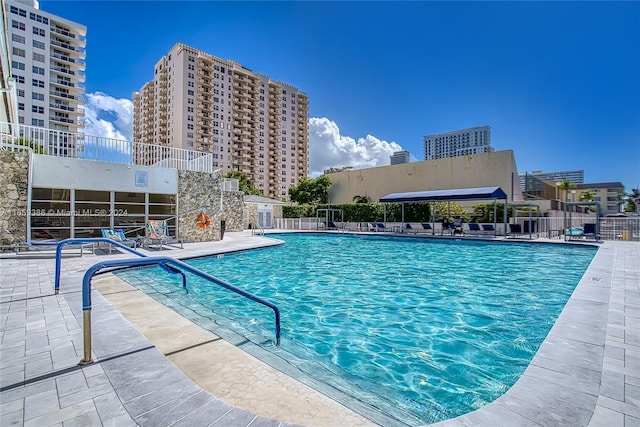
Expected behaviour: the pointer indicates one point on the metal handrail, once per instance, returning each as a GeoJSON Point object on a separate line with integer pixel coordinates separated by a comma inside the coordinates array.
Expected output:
{"type": "Point", "coordinates": [86, 292]}
{"type": "Point", "coordinates": [61, 243]}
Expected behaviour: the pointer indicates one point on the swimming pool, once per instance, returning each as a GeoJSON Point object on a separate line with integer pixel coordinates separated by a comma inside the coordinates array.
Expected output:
{"type": "Point", "coordinates": [421, 329]}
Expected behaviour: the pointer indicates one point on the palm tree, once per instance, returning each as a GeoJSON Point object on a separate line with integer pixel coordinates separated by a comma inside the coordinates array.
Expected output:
{"type": "Point", "coordinates": [587, 196]}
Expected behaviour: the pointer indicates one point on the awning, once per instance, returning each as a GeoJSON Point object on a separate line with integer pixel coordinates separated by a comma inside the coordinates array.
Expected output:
{"type": "Point", "coordinates": [480, 193]}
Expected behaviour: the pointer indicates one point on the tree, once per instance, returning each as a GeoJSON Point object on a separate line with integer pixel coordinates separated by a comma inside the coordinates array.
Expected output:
{"type": "Point", "coordinates": [632, 205]}
{"type": "Point", "coordinates": [244, 183]}
{"type": "Point", "coordinates": [361, 199]}
{"type": "Point", "coordinates": [566, 186]}
{"type": "Point", "coordinates": [447, 211]}
{"type": "Point", "coordinates": [311, 191]}
{"type": "Point", "coordinates": [587, 196]}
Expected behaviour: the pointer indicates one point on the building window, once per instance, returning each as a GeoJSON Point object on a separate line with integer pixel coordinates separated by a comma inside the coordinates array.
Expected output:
{"type": "Point", "coordinates": [20, 93]}
{"type": "Point", "coordinates": [18, 25]}
{"type": "Point", "coordinates": [38, 18]}
{"type": "Point", "coordinates": [38, 83]}
{"type": "Point", "coordinates": [39, 31]}
{"type": "Point", "coordinates": [37, 109]}
{"type": "Point", "coordinates": [37, 96]}
{"type": "Point", "coordinates": [19, 52]}
{"type": "Point", "coordinates": [38, 44]}
{"type": "Point", "coordinates": [21, 106]}
{"type": "Point", "coordinates": [37, 70]}
{"type": "Point", "coordinates": [17, 38]}
{"type": "Point", "coordinates": [38, 57]}
{"type": "Point", "coordinates": [37, 122]}
{"type": "Point", "coordinates": [18, 11]}
{"type": "Point", "coordinates": [19, 79]}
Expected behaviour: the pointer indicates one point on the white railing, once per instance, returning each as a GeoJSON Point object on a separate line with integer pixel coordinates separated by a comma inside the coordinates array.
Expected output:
{"type": "Point", "coordinates": [60, 143]}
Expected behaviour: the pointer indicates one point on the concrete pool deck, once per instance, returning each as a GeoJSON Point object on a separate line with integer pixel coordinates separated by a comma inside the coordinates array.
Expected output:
{"type": "Point", "coordinates": [155, 368]}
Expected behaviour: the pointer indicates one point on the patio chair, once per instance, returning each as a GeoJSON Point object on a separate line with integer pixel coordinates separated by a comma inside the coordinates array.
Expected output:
{"type": "Point", "coordinates": [589, 230]}
{"type": "Point", "coordinates": [380, 226]}
{"type": "Point", "coordinates": [456, 227]}
{"type": "Point", "coordinates": [515, 229]}
{"type": "Point", "coordinates": [157, 232]}
{"type": "Point", "coordinates": [117, 235]}
{"type": "Point", "coordinates": [426, 226]}
{"type": "Point", "coordinates": [488, 228]}
{"type": "Point", "coordinates": [407, 228]}
{"type": "Point", "coordinates": [474, 228]}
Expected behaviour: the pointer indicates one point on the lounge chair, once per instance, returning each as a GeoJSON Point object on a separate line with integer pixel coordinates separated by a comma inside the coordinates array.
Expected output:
{"type": "Point", "coordinates": [117, 235]}
{"type": "Point", "coordinates": [474, 228]}
{"type": "Point", "coordinates": [331, 226]}
{"type": "Point", "coordinates": [574, 232]}
{"type": "Point", "coordinates": [426, 226]}
{"type": "Point", "coordinates": [488, 228]}
{"type": "Point", "coordinates": [515, 229]}
{"type": "Point", "coordinates": [407, 228]}
{"type": "Point", "coordinates": [157, 233]}
{"type": "Point", "coordinates": [456, 227]}
{"type": "Point", "coordinates": [380, 226]}
{"type": "Point", "coordinates": [589, 230]}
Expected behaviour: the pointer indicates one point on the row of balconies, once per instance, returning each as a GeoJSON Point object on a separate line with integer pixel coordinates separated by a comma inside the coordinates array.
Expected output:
{"type": "Point", "coordinates": [61, 119]}
{"type": "Point", "coordinates": [62, 94]}
{"type": "Point", "coordinates": [64, 32]}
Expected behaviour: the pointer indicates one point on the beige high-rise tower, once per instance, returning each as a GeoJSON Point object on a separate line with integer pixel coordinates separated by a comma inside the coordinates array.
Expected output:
{"type": "Point", "coordinates": [248, 122]}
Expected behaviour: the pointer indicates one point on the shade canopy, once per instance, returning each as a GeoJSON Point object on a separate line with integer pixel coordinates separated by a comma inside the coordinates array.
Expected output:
{"type": "Point", "coordinates": [480, 193]}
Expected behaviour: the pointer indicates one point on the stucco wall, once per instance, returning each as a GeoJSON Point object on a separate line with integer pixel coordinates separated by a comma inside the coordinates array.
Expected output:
{"type": "Point", "coordinates": [63, 172]}
{"type": "Point", "coordinates": [199, 191]}
{"type": "Point", "coordinates": [14, 177]}
{"type": "Point", "coordinates": [479, 170]}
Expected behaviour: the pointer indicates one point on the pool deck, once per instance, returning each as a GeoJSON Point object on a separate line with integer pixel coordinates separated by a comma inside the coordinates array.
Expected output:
{"type": "Point", "coordinates": [153, 367]}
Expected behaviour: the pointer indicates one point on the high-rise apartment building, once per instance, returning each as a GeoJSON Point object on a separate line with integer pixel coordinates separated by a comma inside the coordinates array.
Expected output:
{"type": "Point", "coordinates": [48, 65]}
{"type": "Point", "coordinates": [458, 143]}
{"type": "Point", "coordinates": [574, 177]}
{"type": "Point", "coordinates": [246, 121]}
{"type": "Point", "coordinates": [400, 157]}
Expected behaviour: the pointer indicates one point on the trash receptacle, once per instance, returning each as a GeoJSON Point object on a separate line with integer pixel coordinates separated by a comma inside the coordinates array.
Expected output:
{"type": "Point", "coordinates": [626, 234]}
{"type": "Point", "coordinates": [223, 226]}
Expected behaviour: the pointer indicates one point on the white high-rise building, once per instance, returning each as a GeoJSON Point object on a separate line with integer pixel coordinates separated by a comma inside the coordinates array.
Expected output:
{"type": "Point", "coordinates": [48, 65]}
{"type": "Point", "coordinates": [458, 143]}
{"type": "Point", "coordinates": [248, 122]}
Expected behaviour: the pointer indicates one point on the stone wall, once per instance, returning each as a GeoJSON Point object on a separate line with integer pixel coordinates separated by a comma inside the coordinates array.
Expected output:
{"type": "Point", "coordinates": [14, 177]}
{"type": "Point", "coordinates": [201, 192]}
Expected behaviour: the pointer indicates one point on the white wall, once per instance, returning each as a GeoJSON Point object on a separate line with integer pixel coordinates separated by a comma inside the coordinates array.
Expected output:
{"type": "Point", "coordinates": [64, 172]}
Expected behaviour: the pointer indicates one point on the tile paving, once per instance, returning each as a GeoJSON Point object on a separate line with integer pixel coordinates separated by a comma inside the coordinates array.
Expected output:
{"type": "Point", "coordinates": [586, 373]}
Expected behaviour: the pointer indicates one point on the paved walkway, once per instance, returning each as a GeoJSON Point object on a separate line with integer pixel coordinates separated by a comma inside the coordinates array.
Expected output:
{"type": "Point", "coordinates": [587, 372]}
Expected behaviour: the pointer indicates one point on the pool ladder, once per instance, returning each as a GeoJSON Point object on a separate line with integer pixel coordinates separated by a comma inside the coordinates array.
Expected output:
{"type": "Point", "coordinates": [168, 264]}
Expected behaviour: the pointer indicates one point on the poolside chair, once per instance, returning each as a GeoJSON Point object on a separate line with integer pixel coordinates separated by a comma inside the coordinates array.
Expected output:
{"type": "Point", "coordinates": [157, 232]}
{"type": "Point", "coordinates": [515, 229]}
{"type": "Point", "coordinates": [488, 228]}
{"type": "Point", "coordinates": [456, 227]}
{"type": "Point", "coordinates": [331, 226]}
{"type": "Point", "coordinates": [426, 226]}
{"type": "Point", "coordinates": [407, 228]}
{"type": "Point", "coordinates": [589, 230]}
{"type": "Point", "coordinates": [474, 228]}
{"type": "Point", "coordinates": [117, 235]}
{"type": "Point", "coordinates": [380, 226]}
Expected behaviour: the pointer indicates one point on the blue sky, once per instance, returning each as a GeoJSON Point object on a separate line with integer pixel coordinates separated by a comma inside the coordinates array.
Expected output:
{"type": "Point", "coordinates": [558, 82]}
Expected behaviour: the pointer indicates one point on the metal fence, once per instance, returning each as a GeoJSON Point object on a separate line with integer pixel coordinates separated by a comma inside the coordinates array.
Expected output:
{"type": "Point", "coordinates": [611, 228]}
{"type": "Point", "coordinates": [59, 143]}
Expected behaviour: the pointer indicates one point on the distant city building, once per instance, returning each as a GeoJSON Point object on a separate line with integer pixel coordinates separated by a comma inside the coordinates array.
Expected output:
{"type": "Point", "coordinates": [246, 121]}
{"type": "Point", "coordinates": [400, 157]}
{"type": "Point", "coordinates": [458, 143]}
{"type": "Point", "coordinates": [334, 170]}
{"type": "Point", "coordinates": [574, 177]}
{"type": "Point", "coordinates": [48, 65]}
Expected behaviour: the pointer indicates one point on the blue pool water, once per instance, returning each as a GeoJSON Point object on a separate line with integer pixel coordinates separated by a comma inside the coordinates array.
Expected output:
{"type": "Point", "coordinates": [420, 329]}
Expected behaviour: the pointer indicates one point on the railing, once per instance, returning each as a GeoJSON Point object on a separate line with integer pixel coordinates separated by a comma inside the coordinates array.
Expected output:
{"type": "Point", "coordinates": [86, 292]}
{"type": "Point", "coordinates": [60, 244]}
{"type": "Point", "coordinates": [166, 263]}
{"type": "Point", "coordinates": [78, 145]}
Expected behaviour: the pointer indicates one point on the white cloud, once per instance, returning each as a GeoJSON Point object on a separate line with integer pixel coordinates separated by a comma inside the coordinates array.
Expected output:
{"type": "Point", "coordinates": [327, 148]}
{"type": "Point", "coordinates": [108, 117]}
